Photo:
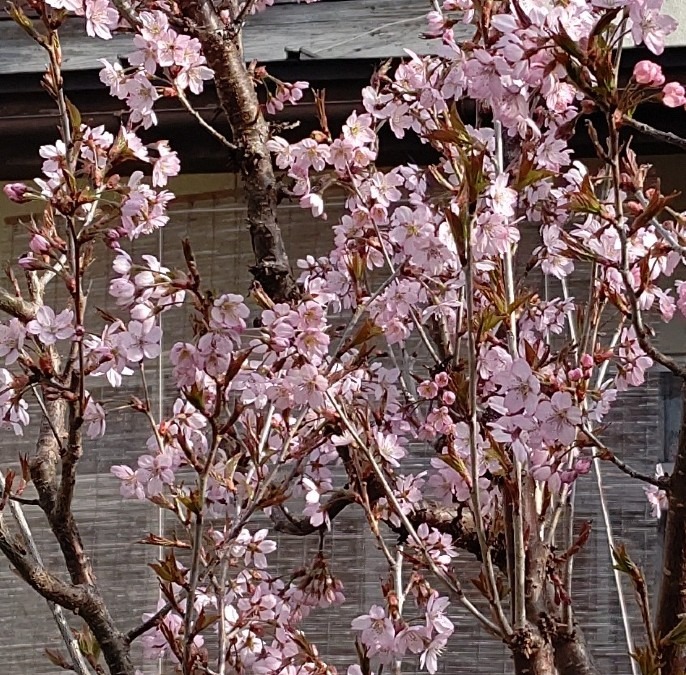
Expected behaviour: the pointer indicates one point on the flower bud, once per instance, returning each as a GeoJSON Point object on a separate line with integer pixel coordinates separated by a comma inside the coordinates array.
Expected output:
{"type": "Point", "coordinates": [16, 192]}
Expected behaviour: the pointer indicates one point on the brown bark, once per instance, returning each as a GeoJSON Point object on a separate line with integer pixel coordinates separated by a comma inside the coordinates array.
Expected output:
{"type": "Point", "coordinates": [53, 501]}
{"type": "Point", "coordinates": [572, 656]}
{"type": "Point", "coordinates": [533, 655]}
{"type": "Point", "coordinates": [672, 597]}
{"type": "Point", "coordinates": [55, 496]}
{"type": "Point", "coordinates": [250, 132]}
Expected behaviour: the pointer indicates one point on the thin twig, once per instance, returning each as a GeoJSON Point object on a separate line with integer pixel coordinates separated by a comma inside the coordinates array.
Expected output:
{"type": "Point", "coordinates": [637, 321]}
{"type": "Point", "coordinates": [473, 449]}
{"type": "Point", "coordinates": [148, 624]}
{"type": "Point", "coordinates": [604, 453]}
{"type": "Point", "coordinates": [518, 515]}
{"type": "Point", "coordinates": [664, 136]}
{"type": "Point", "coordinates": [454, 586]}
{"type": "Point", "coordinates": [208, 127]}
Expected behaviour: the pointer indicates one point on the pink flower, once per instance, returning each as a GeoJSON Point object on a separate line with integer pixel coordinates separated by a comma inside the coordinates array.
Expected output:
{"type": "Point", "coordinates": [389, 448]}
{"type": "Point", "coordinates": [657, 498]}
{"type": "Point", "coordinates": [49, 328]}
{"type": "Point", "coordinates": [256, 550]}
{"type": "Point", "coordinates": [130, 486]}
{"type": "Point", "coordinates": [673, 95]}
{"type": "Point", "coordinates": [114, 77]}
{"type": "Point", "coordinates": [436, 618]}
{"type": "Point", "coordinates": [142, 340]}
{"type": "Point", "coordinates": [439, 546]}
{"type": "Point", "coordinates": [101, 18]}
{"type": "Point", "coordinates": [166, 165]}
{"type": "Point", "coordinates": [55, 157]}
{"type": "Point", "coordinates": [559, 417]}
{"type": "Point", "coordinates": [520, 386]}
{"type": "Point", "coordinates": [314, 202]}
{"type": "Point", "coordinates": [377, 629]}
{"type": "Point", "coordinates": [12, 336]}
{"type": "Point", "coordinates": [309, 386]}
{"type": "Point", "coordinates": [649, 73]}
{"type": "Point", "coordinates": [154, 472]}
{"type": "Point", "coordinates": [94, 417]}
{"type": "Point", "coordinates": [429, 657]}
{"type": "Point", "coordinates": [194, 77]}
{"type": "Point", "coordinates": [75, 6]}
{"type": "Point", "coordinates": [649, 26]}
{"type": "Point", "coordinates": [503, 198]}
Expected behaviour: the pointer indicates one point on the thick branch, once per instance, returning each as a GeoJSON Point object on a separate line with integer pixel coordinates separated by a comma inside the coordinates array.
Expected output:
{"type": "Point", "coordinates": [456, 521]}
{"type": "Point", "coordinates": [16, 306]}
{"type": "Point", "coordinates": [47, 585]}
{"type": "Point", "coordinates": [51, 498]}
{"type": "Point", "coordinates": [672, 598]}
{"type": "Point", "coordinates": [572, 656]}
{"type": "Point", "coordinates": [250, 132]}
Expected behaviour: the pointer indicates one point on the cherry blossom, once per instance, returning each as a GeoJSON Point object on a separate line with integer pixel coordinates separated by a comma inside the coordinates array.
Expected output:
{"type": "Point", "coordinates": [50, 328]}
{"type": "Point", "coordinates": [425, 370]}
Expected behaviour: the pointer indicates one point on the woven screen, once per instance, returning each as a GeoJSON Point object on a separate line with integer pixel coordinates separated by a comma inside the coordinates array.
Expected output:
{"type": "Point", "coordinates": [211, 216]}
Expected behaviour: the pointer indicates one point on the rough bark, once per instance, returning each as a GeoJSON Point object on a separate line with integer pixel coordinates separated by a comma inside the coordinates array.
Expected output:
{"type": "Point", "coordinates": [82, 596]}
{"type": "Point", "coordinates": [57, 510]}
{"type": "Point", "coordinates": [672, 598]}
{"type": "Point", "coordinates": [572, 656]}
{"type": "Point", "coordinates": [250, 131]}
{"type": "Point", "coordinates": [532, 654]}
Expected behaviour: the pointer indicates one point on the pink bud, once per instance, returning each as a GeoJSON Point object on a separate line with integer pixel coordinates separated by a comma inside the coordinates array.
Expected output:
{"type": "Point", "coordinates": [586, 361]}
{"type": "Point", "coordinates": [448, 397]}
{"type": "Point", "coordinates": [649, 73]}
{"type": "Point", "coordinates": [441, 379]}
{"type": "Point", "coordinates": [575, 375]}
{"type": "Point", "coordinates": [39, 244]}
{"type": "Point", "coordinates": [29, 263]}
{"type": "Point", "coordinates": [16, 192]}
{"type": "Point", "coordinates": [673, 95]}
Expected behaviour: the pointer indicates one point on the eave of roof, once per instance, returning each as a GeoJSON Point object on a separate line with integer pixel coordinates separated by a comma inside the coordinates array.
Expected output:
{"type": "Point", "coordinates": [368, 27]}
{"type": "Point", "coordinates": [374, 29]}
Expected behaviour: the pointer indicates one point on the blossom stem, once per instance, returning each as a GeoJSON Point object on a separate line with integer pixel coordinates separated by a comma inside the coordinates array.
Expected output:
{"type": "Point", "coordinates": [637, 321]}
{"type": "Point", "coordinates": [518, 510]}
{"type": "Point", "coordinates": [201, 121]}
{"type": "Point", "coordinates": [473, 433]}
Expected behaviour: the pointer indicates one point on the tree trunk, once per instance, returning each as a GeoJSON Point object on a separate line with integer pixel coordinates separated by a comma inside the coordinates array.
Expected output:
{"type": "Point", "coordinates": [572, 656]}
{"type": "Point", "coordinates": [532, 654]}
{"type": "Point", "coordinates": [250, 131]}
{"type": "Point", "coordinates": [672, 599]}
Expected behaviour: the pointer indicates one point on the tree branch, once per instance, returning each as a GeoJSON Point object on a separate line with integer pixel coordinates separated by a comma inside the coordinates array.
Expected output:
{"type": "Point", "coordinates": [663, 136]}
{"type": "Point", "coordinates": [604, 453]}
{"type": "Point", "coordinates": [148, 624]}
{"type": "Point", "coordinates": [572, 656]}
{"type": "Point", "coordinates": [43, 582]}
{"type": "Point", "coordinates": [208, 127]}
{"type": "Point", "coordinates": [78, 661]}
{"type": "Point", "coordinates": [16, 306]}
